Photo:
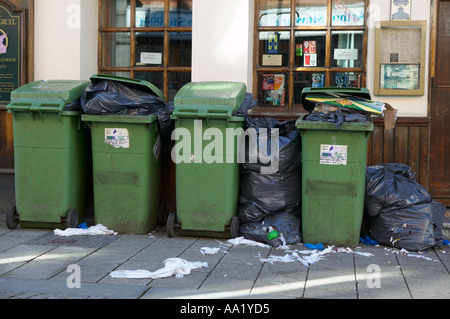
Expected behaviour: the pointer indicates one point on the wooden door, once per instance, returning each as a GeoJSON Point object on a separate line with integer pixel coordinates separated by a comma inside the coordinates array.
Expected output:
{"type": "Point", "coordinates": [440, 104]}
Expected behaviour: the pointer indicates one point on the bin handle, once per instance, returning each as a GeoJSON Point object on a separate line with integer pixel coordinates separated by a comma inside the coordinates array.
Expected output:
{"type": "Point", "coordinates": [217, 114]}
{"type": "Point", "coordinates": [186, 113]}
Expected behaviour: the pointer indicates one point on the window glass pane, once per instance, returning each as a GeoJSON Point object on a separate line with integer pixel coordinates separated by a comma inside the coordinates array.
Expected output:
{"type": "Point", "coordinates": [116, 49]}
{"type": "Point", "coordinates": [149, 13]}
{"type": "Point", "coordinates": [347, 12]}
{"type": "Point", "coordinates": [180, 14]}
{"type": "Point", "coordinates": [346, 79]}
{"type": "Point", "coordinates": [311, 13]}
{"type": "Point", "coordinates": [180, 48]}
{"type": "Point", "coordinates": [115, 14]}
{"type": "Point", "coordinates": [274, 48]}
{"type": "Point", "coordinates": [124, 74]}
{"type": "Point", "coordinates": [306, 79]}
{"type": "Point", "coordinates": [346, 48]}
{"type": "Point", "coordinates": [310, 48]}
{"type": "Point", "coordinates": [149, 48]}
{"type": "Point", "coordinates": [274, 13]}
{"type": "Point", "coordinates": [155, 78]}
{"type": "Point", "coordinates": [176, 81]}
{"type": "Point", "coordinates": [273, 89]}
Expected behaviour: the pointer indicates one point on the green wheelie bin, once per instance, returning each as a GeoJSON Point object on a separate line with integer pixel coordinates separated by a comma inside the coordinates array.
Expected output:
{"type": "Point", "coordinates": [126, 165]}
{"type": "Point", "coordinates": [333, 175]}
{"type": "Point", "coordinates": [50, 155]}
{"type": "Point", "coordinates": [207, 140]}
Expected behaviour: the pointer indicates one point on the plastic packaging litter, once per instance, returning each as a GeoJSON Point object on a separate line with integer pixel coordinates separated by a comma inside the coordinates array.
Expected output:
{"type": "Point", "coordinates": [317, 246]}
{"type": "Point", "coordinates": [172, 266]}
{"type": "Point", "coordinates": [98, 229]}
{"type": "Point", "coordinates": [401, 212]}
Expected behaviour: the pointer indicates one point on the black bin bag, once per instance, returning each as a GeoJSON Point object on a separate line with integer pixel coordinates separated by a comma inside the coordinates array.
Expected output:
{"type": "Point", "coordinates": [401, 213]}
{"type": "Point", "coordinates": [104, 97]}
{"type": "Point", "coordinates": [270, 182]}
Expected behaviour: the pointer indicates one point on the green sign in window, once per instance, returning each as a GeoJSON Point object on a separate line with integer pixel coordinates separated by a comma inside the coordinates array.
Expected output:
{"type": "Point", "coordinates": [10, 53]}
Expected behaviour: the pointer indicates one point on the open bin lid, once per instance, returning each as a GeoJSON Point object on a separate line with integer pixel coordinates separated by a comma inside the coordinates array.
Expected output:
{"type": "Point", "coordinates": [323, 91]}
{"type": "Point", "coordinates": [46, 95]}
{"type": "Point", "coordinates": [136, 83]}
{"type": "Point", "coordinates": [209, 99]}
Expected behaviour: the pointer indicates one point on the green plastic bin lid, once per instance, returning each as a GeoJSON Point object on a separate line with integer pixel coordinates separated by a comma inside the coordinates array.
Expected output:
{"type": "Point", "coordinates": [309, 105]}
{"type": "Point", "coordinates": [209, 99]}
{"type": "Point", "coordinates": [46, 95]}
{"type": "Point", "coordinates": [136, 83]}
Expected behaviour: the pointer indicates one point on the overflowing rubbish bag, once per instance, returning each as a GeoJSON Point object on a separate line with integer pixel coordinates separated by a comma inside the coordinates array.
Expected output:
{"type": "Point", "coordinates": [270, 182]}
{"type": "Point", "coordinates": [104, 96]}
{"type": "Point", "coordinates": [401, 213]}
{"type": "Point", "coordinates": [337, 115]}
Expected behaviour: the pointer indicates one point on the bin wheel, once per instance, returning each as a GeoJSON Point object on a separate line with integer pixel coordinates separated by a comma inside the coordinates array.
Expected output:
{"type": "Point", "coordinates": [12, 218]}
{"type": "Point", "coordinates": [170, 225]}
{"type": "Point", "coordinates": [72, 218]}
{"type": "Point", "coordinates": [234, 227]}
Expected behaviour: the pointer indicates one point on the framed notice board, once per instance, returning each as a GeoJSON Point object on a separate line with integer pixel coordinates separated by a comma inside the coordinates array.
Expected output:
{"type": "Point", "coordinates": [400, 57]}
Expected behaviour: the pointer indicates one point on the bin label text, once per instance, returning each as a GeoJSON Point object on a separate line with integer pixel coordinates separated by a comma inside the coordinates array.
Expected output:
{"type": "Point", "coordinates": [333, 154]}
{"type": "Point", "coordinates": [117, 137]}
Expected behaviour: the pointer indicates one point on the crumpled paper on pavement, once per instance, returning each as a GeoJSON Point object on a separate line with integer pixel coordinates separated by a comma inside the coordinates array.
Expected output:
{"type": "Point", "coordinates": [172, 266]}
{"type": "Point", "coordinates": [98, 229]}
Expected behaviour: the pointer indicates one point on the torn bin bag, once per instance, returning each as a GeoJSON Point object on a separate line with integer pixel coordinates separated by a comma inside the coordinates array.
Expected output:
{"type": "Point", "coordinates": [286, 224]}
{"type": "Point", "coordinates": [413, 228]}
{"type": "Point", "coordinates": [401, 212]}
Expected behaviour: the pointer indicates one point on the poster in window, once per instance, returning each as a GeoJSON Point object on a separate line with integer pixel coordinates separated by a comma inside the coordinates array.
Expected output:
{"type": "Point", "coordinates": [268, 82]}
{"type": "Point", "coordinates": [10, 57]}
{"type": "Point", "coordinates": [318, 80]}
{"type": "Point", "coordinates": [399, 76]}
{"type": "Point", "coordinates": [400, 9]}
{"type": "Point", "coordinates": [279, 90]}
{"type": "Point", "coordinates": [273, 42]}
{"type": "Point", "coordinates": [309, 53]}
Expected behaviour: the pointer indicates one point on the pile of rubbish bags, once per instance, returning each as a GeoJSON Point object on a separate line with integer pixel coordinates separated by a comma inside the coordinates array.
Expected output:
{"type": "Point", "coordinates": [401, 213]}
{"type": "Point", "coordinates": [269, 208]}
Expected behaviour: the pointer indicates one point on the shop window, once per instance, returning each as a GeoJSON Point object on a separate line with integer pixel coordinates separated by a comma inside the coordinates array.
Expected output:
{"type": "Point", "coordinates": [307, 43]}
{"type": "Point", "coordinates": [147, 39]}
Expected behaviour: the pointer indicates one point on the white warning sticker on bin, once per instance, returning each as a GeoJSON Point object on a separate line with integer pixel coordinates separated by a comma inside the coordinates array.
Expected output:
{"type": "Point", "coordinates": [117, 137]}
{"type": "Point", "coordinates": [333, 154]}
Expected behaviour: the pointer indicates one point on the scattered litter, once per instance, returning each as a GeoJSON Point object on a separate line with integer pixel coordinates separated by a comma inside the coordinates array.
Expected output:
{"type": "Point", "coordinates": [98, 229]}
{"type": "Point", "coordinates": [172, 266]}
{"type": "Point", "coordinates": [369, 241]}
{"type": "Point", "coordinates": [318, 246]}
{"type": "Point", "coordinates": [209, 250]}
{"type": "Point", "coordinates": [243, 241]}
{"type": "Point", "coordinates": [419, 256]}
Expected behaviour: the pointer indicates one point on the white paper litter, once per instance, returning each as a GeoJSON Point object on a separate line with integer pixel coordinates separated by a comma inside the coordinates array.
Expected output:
{"type": "Point", "coordinates": [209, 250]}
{"type": "Point", "coordinates": [172, 266]}
{"type": "Point", "coordinates": [243, 241]}
{"type": "Point", "coordinates": [98, 229]}
{"type": "Point", "coordinates": [419, 256]}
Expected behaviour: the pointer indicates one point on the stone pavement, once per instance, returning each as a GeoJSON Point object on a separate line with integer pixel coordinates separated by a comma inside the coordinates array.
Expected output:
{"type": "Point", "coordinates": [36, 264]}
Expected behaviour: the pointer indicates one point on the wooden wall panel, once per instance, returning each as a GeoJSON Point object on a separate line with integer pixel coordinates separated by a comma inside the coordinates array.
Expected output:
{"type": "Point", "coordinates": [407, 143]}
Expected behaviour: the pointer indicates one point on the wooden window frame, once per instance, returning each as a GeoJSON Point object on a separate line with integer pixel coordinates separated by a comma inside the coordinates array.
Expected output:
{"type": "Point", "coordinates": [132, 69]}
{"type": "Point", "coordinates": [291, 70]}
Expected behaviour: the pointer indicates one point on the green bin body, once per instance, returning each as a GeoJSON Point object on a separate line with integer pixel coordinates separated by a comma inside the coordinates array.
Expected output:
{"type": "Point", "coordinates": [333, 178]}
{"type": "Point", "coordinates": [50, 154]}
{"type": "Point", "coordinates": [126, 167]}
{"type": "Point", "coordinates": [207, 168]}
